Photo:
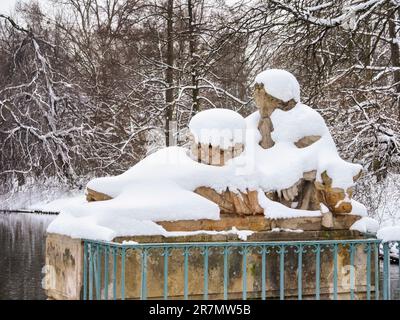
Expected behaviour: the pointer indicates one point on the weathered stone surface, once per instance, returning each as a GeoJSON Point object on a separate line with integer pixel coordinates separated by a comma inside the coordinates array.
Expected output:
{"type": "Point", "coordinates": [327, 220]}
{"type": "Point", "coordinates": [214, 155]}
{"type": "Point", "coordinates": [304, 223]}
{"type": "Point", "coordinates": [155, 270]}
{"type": "Point", "coordinates": [235, 271]}
{"type": "Point", "coordinates": [231, 202]}
{"type": "Point", "coordinates": [237, 150]}
{"type": "Point", "coordinates": [243, 211]}
{"type": "Point", "coordinates": [307, 193]}
{"type": "Point", "coordinates": [291, 193]}
{"type": "Point", "coordinates": [265, 127]}
{"type": "Point", "coordinates": [259, 223]}
{"type": "Point", "coordinates": [344, 221]}
{"type": "Point", "coordinates": [310, 175]}
{"type": "Point", "coordinates": [306, 141]}
{"type": "Point", "coordinates": [333, 198]}
{"type": "Point", "coordinates": [226, 222]}
{"type": "Point", "coordinates": [302, 195]}
{"type": "Point", "coordinates": [64, 265]}
{"type": "Point", "coordinates": [92, 195]}
{"type": "Point", "coordinates": [266, 104]}
{"type": "Point", "coordinates": [308, 199]}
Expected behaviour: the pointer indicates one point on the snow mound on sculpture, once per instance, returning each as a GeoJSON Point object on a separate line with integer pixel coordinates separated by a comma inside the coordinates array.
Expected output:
{"type": "Point", "coordinates": [366, 225]}
{"type": "Point", "coordinates": [160, 187]}
{"type": "Point", "coordinates": [218, 127]}
{"type": "Point", "coordinates": [280, 84]}
{"type": "Point", "coordinates": [358, 208]}
{"type": "Point", "coordinates": [289, 126]}
{"type": "Point", "coordinates": [284, 164]}
{"type": "Point", "coordinates": [387, 234]}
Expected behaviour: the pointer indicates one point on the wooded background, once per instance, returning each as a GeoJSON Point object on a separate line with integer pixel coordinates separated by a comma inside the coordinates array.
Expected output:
{"type": "Point", "coordinates": [92, 86]}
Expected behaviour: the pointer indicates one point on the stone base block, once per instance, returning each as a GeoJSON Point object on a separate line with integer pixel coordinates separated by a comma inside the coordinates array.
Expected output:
{"type": "Point", "coordinates": [64, 257]}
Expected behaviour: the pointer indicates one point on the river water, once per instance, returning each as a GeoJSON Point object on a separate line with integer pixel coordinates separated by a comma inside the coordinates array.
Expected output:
{"type": "Point", "coordinates": [22, 252]}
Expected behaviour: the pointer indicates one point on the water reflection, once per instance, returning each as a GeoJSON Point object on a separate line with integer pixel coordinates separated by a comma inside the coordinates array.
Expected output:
{"type": "Point", "coordinates": [22, 252]}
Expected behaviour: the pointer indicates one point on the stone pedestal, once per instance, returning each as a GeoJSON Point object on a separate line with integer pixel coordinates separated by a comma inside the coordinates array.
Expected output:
{"type": "Point", "coordinates": [64, 267]}
{"type": "Point", "coordinates": [65, 255]}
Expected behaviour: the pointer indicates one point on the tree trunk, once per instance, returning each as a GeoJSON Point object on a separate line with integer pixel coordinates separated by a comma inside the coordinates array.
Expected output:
{"type": "Point", "coordinates": [192, 52]}
{"type": "Point", "coordinates": [169, 76]}
{"type": "Point", "coordinates": [395, 55]}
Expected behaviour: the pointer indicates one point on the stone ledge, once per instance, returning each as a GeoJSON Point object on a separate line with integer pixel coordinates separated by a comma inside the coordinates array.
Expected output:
{"type": "Point", "coordinates": [257, 236]}
{"type": "Point", "coordinates": [258, 223]}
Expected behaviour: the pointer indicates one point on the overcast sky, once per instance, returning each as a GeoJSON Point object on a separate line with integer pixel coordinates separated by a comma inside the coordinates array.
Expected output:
{"type": "Point", "coordinates": [7, 5]}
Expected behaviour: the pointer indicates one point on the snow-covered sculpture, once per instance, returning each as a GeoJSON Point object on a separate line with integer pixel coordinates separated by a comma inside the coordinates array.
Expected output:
{"type": "Point", "coordinates": [278, 164]}
{"type": "Point", "coordinates": [274, 89]}
{"type": "Point", "coordinates": [277, 96]}
{"type": "Point", "coordinates": [217, 136]}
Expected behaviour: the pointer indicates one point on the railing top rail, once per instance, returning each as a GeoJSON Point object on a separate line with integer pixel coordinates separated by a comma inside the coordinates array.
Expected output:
{"type": "Point", "coordinates": [231, 243]}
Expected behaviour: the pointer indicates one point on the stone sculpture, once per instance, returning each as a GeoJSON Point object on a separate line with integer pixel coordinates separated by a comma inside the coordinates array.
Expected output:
{"type": "Point", "coordinates": [309, 193]}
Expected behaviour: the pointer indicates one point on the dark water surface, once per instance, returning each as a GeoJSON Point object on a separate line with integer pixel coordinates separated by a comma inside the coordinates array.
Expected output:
{"type": "Point", "coordinates": [22, 252]}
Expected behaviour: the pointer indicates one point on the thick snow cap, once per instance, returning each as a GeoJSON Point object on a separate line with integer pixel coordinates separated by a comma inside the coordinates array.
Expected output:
{"type": "Point", "coordinates": [280, 84]}
{"type": "Point", "coordinates": [366, 225]}
{"type": "Point", "coordinates": [218, 127]}
{"type": "Point", "coordinates": [387, 234]}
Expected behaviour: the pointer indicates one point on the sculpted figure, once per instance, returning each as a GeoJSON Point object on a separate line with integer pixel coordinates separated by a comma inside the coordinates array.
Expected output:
{"type": "Point", "coordinates": [287, 128]}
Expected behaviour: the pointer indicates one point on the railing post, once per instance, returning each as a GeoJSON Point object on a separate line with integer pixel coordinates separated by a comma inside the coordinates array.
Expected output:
{"type": "Point", "coordinates": [244, 272]}
{"type": "Point", "coordinates": [398, 261]}
{"type": "Point", "coordinates": [317, 271]}
{"type": "Point", "coordinates": [376, 267]}
{"type": "Point", "coordinates": [106, 249]}
{"type": "Point", "coordinates": [166, 254]}
{"type": "Point", "coordinates": [205, 290]}
{"type": "Point", "coordinates": [368, 271]}
{"type": "Point", "coordinates": [282, 272]}
{"type": "Point", "coordinates": [115, 273]}
{"type": "Point", "coordinates": [90, 272]}
{"type": "Point", "coordinates": [123, 274]}
{"type": "Point", "coordinates": [352, 272]}
{"type": "Point", "coordinates": [386, 271]}
{"type": "Point", "coordinates": [263, 272]}
{"type": "Point", "coordinates": [299, 272]}
{"type": "Point", "coordinates": [85, 249]}
{"type": "Point", "coordinates": [143, 290]}
{"type": "Point", "coordinates": [226, 253]}
{"type": "Point", "coordinates": [186, 272]}
{"type": "Point", "coordinates": [98, 272]}
{"type": "Point", "coordinates": [335, 271]}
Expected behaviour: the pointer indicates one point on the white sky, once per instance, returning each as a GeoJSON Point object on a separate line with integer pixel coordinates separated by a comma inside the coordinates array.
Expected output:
{"type": "Point", "coordinates": [7, 5]}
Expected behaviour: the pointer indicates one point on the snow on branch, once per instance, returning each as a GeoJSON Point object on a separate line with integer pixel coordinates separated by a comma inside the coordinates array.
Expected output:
{"type": "Point", "coordinates": [348, 17]}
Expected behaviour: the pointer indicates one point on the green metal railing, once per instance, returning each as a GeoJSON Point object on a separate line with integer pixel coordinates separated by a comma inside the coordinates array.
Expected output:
{"type": "Point", "coordinates": [105, 265]}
